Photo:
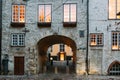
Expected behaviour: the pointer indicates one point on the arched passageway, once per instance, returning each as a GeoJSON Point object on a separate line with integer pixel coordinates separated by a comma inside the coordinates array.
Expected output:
{"type": "Point", "coordinates": [45, 59]}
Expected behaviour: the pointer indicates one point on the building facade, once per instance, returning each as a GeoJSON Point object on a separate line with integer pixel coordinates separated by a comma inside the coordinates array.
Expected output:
{"type": "Point", "coordinates": [31, 27]}
{"type": "Point", "coordinates": [104, 31]}
{"type": "Point", "coordinates": [75, 36]}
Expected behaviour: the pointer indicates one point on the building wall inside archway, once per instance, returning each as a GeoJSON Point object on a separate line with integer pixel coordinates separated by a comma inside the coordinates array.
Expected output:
{"type": "Point", "coordinates": [54, 49]}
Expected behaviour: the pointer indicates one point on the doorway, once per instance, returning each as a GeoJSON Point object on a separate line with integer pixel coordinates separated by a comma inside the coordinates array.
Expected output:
{"type": "Point", "coordinates": [19, 65]}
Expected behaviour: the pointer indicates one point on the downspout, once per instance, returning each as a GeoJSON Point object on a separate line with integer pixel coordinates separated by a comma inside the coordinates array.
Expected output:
{"type": "Point", "coordinates": [0, 33]}
{"type": "Point", "coordinates": [87, 63]}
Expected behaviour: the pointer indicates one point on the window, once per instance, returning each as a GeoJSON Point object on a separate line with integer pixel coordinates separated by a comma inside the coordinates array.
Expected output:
{"type": "Point", "coordinates": [96, 39]}
{"type": "Point", "coordinates": [115, 40]}
{"type": "Point", "coordinates": [69, 12]}
{"type": "Point", "coordinates": [114, 69]}
{"type": "Point", "coordinates": [18, 39]}
{"type": "Point", "coordinates": [18, 13]}
{"type": "Point", "coordinates": [114, 9]}
{"type": "Point", "coordinates": [62, 47]}
{"type": "Point", "coordinates": [44, 13]}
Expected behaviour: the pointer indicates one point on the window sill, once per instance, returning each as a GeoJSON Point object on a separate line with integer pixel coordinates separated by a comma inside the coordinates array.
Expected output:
{"type": "Point", "coordinates": [69, 24]}
{"type": "Point", "coordinates": [115, 49]}
{"type": "Point", "coordinates": [17, 46]}
{"type": "Point", "coordinates": [113, 19]}
{"type": "Point", "coordinates": [98, 47]}
{"type": "Point", "coordinates": [44, 24]}
{"type": "Point", "coordinates": [18, 24]}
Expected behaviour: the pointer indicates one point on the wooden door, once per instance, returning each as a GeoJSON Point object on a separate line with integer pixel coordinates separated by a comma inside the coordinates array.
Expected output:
{"type": "Point", "coordinates": [19, 65]}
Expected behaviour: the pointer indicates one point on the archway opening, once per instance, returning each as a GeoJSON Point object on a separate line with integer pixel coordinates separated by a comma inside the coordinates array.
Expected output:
{"type": "Point", "coordinates": [55, 61]}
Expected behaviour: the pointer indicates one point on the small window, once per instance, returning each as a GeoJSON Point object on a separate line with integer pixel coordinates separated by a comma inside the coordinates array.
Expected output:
{"type": "Point", "coordinates": [62, 47]}
{"type": "Point", "coordinates": [114, 9]}
{"type": "Point", "coordinates": [115, 40]}
{"type": "Point", "coordinates": [18, 39]}
{"type": "Point", "coordinates": [96, 39]}
{"type": "Point", "coordinates": [114, 69]}
{"type": "Point", "coordinates": [18, 13]}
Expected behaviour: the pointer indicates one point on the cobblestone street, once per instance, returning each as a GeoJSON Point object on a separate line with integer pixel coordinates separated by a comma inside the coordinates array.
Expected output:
{"type": "Point", "coordinates": [59, 77]}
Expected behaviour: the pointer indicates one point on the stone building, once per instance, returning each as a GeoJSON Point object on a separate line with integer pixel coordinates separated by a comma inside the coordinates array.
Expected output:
{"type": "Point", "coordinates": [30, 27]}
{"type": "Point", "coordinates": [90, 33]}
{"type": "Point", "coordinates": [104, 37]}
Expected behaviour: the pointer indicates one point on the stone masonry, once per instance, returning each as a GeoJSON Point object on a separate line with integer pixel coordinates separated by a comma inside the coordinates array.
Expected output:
{"type": "Point", "coordinates": [35, 33]}
{"type": "Point", "coordinates": [100, 58]}
{"type": "Point", "coordinates": [99, 23]}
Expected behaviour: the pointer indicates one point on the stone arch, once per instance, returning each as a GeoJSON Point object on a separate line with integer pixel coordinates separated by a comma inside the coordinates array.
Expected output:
{"type": "Point", "coordinates": [111, 65]}
{"type": "Point", "coordinates": [48, 41]}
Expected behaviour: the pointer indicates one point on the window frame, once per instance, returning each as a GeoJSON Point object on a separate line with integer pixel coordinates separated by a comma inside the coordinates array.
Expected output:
{"type": "Point", "coordinates": [18, 39]}
{"type": "Point", "coordinates": [44, 13]}
{"type": "Point", "coordinates": [44, 24]}
{"type": "Point", "coordinates": [62, 48]}
{"type": "Point", "coordinates": [70, 24]}
{"type": "Point", "coordinates": [69, 12]}
{"type": "Point", "coordinates": [113, 73]}
{"type": "Point", "coordinates": [115, 12]}
{"type": "Point", "coordinates": [19, 13]}
{"type": "Point", "coordinates": [96, 40]}
{"type": "Point", "coordinates": [118, 40]}
{"type": "Point", "coordinates": [18, 23]}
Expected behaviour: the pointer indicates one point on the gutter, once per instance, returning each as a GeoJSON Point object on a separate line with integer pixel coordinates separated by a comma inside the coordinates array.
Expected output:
{"type": "Point", "coordinates": [0, 34]}
{"type": "Point", "coordinates": [87, 52]}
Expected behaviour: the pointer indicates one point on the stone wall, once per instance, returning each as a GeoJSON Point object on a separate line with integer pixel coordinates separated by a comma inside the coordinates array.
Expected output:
{"type": "Point", "coordinates": [99, 23]}
{"type": "Point", "coordinates": [36, 33]}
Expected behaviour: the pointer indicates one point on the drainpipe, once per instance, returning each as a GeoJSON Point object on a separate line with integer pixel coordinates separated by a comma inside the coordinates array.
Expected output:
{"type": "Point", "coordinates": [0, 32]}
{"type": "Point", "coordinates": [87, 63]}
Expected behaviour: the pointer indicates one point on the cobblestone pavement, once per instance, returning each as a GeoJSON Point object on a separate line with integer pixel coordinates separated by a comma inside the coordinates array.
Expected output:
{"type": "Point", "coordinates": [58, 77]}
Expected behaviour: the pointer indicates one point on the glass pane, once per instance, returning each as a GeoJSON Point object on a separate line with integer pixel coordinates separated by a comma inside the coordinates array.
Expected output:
{"type": "Point", "coordinates": [93, 39]}
{"type": "Point", "coordinates": [14, 40]}
{"type": "Point", "coordinates": [15, 9]}
{"type": "Point", "coordinates": [21, 40]}
{"type": "Point", "coordinates": [118, 9]}
{"type": "Point", "coordinates": [73, 12]}
{"type": "Point", "coordinates": [41, 13]}
{"type": "Point", "coordinates": [48, 13]}
{"type": "Point", "coordinates": [114, 40]}
{"type": "Point", "coordinates": [22, 13]}
{"type": "Point", "coordinates": [112, 9]}
{"type": "Point", "coordinates": [66, 13]}
{"type": "Point", "coordinates": [62, 47]}
{"type": "Point", "coordinates": [99, 39]}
